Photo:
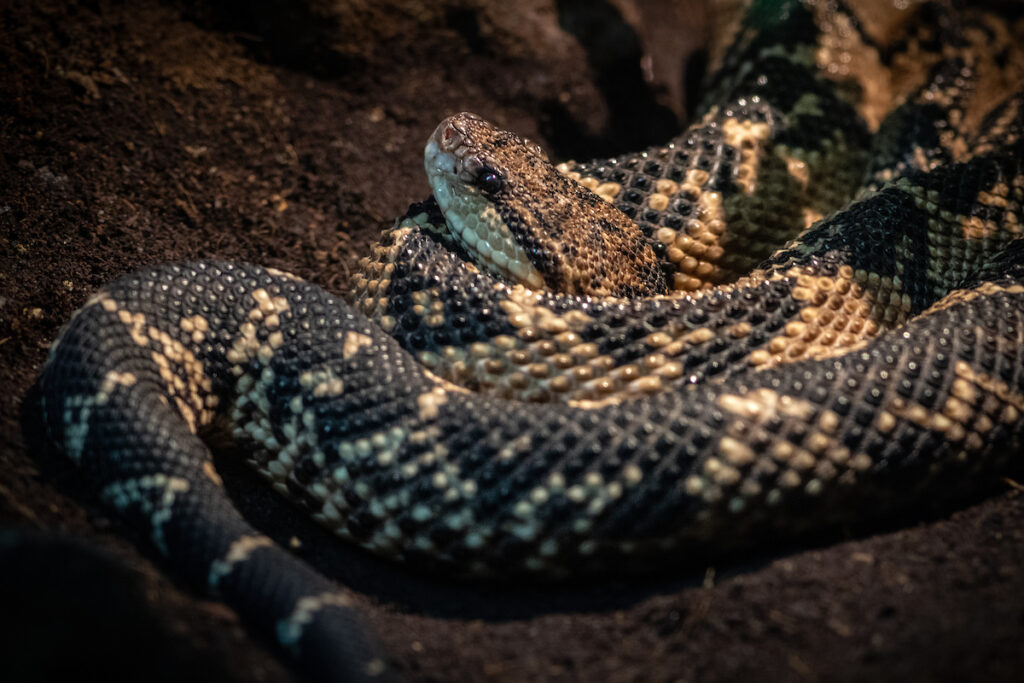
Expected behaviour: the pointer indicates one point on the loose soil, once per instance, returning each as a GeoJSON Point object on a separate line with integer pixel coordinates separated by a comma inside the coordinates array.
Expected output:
{"type": "Point", "coordinates": [289, 134]}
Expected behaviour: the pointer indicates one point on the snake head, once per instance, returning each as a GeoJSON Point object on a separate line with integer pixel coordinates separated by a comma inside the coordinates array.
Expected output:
{"type": "Point", "coordinates": [520, 219]}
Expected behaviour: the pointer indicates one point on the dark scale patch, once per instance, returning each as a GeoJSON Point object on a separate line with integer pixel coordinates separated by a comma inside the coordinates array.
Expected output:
{"type": "Point", "coordinates": [708, 154]}
{"type": "Point", "coordinates": [620, 330]}
{"type": "Point", "coordinates": [1004, 267]}
{"type": "Point", "coordinates": [470, 302]}
{"type": "Point", "coordinates": [777, 82]}
{"type": "Point", "coordinates": [722, 176]}
{"type": "Point", "coordinates": [917, 125]}
{"type": "Point", "coordinates": [959, 185]}
{"type": "Point", "coordinates": [867, 236]}
{"type": "Point", "coordinates": [279, 393]}
{"type": "Point", "coordinates": [545, 260]}
{"type": "Point", "coordinates": [766, 25]}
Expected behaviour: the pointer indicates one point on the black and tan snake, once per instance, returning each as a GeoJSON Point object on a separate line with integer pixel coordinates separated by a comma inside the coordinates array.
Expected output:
{"type": "Point", "coordinates": [807, 309]}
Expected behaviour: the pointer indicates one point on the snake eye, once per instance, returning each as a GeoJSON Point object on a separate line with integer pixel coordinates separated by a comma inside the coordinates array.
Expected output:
{"type": "Point", "coordinates": [489, 180]}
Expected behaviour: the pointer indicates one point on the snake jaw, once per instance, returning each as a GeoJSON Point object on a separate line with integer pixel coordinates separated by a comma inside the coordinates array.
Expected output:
{"type": "Point", "coordinates": [452, 165]}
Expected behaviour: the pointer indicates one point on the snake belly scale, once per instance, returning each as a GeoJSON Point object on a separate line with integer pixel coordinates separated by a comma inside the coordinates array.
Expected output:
{"type": "Point", "coordinates": [806, 310]}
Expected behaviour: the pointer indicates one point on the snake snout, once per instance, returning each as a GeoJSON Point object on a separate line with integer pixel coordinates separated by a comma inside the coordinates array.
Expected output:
{"type": "Point", "coordinates": [448, 136]}
{"type": "Point", "coordinates": [455, 131]}
{"type": "Point", "coordinates": [453, 150]}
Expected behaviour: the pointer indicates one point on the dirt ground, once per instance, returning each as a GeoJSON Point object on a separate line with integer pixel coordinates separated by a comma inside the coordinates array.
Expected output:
{"type": "Point", "coordinates": [289, 133]}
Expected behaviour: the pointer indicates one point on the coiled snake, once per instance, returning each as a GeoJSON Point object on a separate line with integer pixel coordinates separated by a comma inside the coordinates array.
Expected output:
{"type": "Point", "coordinates": [558, 369]}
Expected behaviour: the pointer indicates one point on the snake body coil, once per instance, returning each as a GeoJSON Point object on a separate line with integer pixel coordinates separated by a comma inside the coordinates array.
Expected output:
{"type": "Point", "coordinates": [508, 409]}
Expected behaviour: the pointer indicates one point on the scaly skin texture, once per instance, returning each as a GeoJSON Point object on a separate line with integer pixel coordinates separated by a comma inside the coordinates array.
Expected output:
{"type": "Point", "coordinates": [485, 427]}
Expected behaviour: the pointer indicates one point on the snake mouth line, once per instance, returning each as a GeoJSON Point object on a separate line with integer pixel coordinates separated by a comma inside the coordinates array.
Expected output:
{"type": "Point", "coordinates": [452, 165]}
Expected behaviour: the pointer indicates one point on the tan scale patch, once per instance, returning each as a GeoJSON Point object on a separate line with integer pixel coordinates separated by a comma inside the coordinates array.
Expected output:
{"type": "Point", "coordinates": [197, 326]}
{"type": "Point", "coordinates": [246, 346]}
{"type": "Point", "coordinates": [762, 404]}
{"type": "Point", "coordinates": [368, 288]}
{"type": "Point", "coordinates": [952, 424]}
{"type": "Point", "coordinates": [211, 473]}
{"type": "Point", "coordinates": [696, 247]}
{"type": "Point", "coordinates": [267, 308]}
{"type": "Point", "coordinates": [281, 273]}
{"type": "Point", "coordinates": [427, 304]}
{"type": "Point", "coordinates": [321, 382]}
{"type": "Point", "coordinates": [135, 322]}
{"type": "Point", "coordinates": [736, 474]}
{"type": "Point", "coordinates": [608, 191]}
{"type": "Point", "coordinates": [445, 384]}
{"type": "Point", "coordinates": [185, 379]}
{"type": "Point", "coordinates": [964, 417]}
{"type": "Point", "coordinates": [429, 402]}
{"type": "Point", "coordinates": [748, 137]}
{"type": "Point", "coordinates": [353, 342]}
{"type": "Point", "coordinates": [798, 169]}
{"type": "Point", "coordinates": [963, 296]}
{"type": "Point", "coordinates": [996, 387]}
{"type": "Point", "coordinates": [548, 360]}
{"type": "Point", "coordinates": [291, 628]}
{"type": "Point", "coordinates": [239, 551]}
{"type": "Point", "coordinates": [840, 313]}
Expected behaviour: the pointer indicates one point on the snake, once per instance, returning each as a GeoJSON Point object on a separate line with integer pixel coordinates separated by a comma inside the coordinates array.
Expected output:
{"type": "Point", "coordinates": [804, 311]}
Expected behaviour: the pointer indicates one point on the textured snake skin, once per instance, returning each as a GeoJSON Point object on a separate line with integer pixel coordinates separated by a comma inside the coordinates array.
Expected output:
{"type": "Point", "coordinates": [827, 327]}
